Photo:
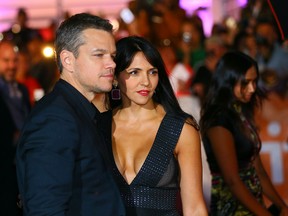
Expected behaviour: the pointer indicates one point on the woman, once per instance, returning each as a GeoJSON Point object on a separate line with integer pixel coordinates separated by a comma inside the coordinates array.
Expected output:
{"type": "Point", "coordinates": [156, 146]}
{"type": "Point", "coordinates": [191, 49]}
{"type": "Point", "coordinates": [231, 141]}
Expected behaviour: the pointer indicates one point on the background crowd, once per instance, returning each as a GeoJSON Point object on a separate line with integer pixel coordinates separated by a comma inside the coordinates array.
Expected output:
{"type": "Point", "coordinates": [190, 57]}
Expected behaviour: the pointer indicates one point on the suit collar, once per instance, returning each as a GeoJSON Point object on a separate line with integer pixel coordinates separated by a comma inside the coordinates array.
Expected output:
{"type": "Point", "coordinates": [77, 98]}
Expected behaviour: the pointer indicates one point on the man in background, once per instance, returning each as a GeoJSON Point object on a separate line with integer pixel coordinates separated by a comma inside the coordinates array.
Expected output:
{"type": "Point", "coordinates": [14, 108]}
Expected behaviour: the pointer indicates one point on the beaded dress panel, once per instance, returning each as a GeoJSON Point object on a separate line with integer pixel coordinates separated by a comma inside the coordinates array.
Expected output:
{"type": "Point", "coordinates": [155, 188]}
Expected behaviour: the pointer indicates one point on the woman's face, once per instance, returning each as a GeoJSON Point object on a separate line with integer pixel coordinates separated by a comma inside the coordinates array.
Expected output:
{"type": "Point", "coordinates": [138, 82]}
{"type": "Point", "coordinates": [243, 91]}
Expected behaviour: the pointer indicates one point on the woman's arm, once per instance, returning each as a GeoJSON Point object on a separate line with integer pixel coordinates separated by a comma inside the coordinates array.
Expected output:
{"type": "Point", "coordinates": [223, 147]}
{"type": "Point", "coordinates": [268, 188]}
{"type": "Point", "coordinates": [188, 151]}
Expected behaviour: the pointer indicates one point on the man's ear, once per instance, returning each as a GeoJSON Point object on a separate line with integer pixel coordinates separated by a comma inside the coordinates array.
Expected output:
{"type": "Point", "coordinates": [67, 59]}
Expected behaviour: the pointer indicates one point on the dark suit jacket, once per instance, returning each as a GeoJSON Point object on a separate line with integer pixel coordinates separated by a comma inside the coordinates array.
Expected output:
{"type": "Point", "coordinates": [8, 183]}
{"type": "Point", "coordinates": [61, 159]}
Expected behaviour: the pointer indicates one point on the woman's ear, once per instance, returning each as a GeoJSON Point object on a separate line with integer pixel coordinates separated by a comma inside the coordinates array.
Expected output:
{"type": "Point", "coordinates": [115, 82]}
{"type": "Point", "coordinates": [67, 59]}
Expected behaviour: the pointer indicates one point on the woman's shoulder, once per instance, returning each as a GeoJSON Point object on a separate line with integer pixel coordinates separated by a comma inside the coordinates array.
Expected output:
{"type": "Point", "coordinates": [225, 118]}
{"type": "Point", "coordinates": [184, 118]}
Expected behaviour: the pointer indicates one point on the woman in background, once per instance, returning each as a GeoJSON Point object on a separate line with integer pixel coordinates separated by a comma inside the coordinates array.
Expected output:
{"type": "Point", "coordinates": [231, 140]}
{"type": "Point", "coordinates": [156, 146]}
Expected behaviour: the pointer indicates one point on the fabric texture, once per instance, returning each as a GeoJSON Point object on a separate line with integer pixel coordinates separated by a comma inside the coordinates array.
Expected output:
{"type": "Point", "coordinates": [65, 174]}
{"type": "Point", "coordinates": [222, 200]}
{"type": "Point", "coordinates": [247, 145]}
{"type": "Point", "coordinates": [155, 188]}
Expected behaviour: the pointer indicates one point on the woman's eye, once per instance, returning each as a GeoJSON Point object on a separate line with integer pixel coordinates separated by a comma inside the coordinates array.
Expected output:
{"type": "Point", "coordinates": [133, 72]}
{"type": "Point", "coordinates": [153, 72]}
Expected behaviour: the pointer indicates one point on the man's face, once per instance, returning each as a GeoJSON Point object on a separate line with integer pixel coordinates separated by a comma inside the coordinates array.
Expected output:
{"type": "Point", "coordinates": [266, 32]}
{"type": "Point", "coordinates": [8, 61]}
{"type": "Point", "coordinates": [93, 69]}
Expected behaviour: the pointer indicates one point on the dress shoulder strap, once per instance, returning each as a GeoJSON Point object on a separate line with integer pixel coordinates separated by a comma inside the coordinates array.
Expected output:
{"type": "Point", "coordinates": [162, 150]}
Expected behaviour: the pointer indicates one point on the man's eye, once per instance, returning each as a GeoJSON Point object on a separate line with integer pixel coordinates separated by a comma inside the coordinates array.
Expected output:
{"type": "Point", "coordinates": [98, 54]}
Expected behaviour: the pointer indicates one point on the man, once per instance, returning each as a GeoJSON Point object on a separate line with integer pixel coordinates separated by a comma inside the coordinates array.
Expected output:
{"type": "Point", "coordinates": [14, 108]}
{"type": "Point", "coordinates": [15, 94]}
{"type": "Point", "coordinates": [271, 58]}
{"type": "Point", "coordinates": [8, 182]}
{"type": "Point", "coordinates": [20, 32]}
{"type": "Point", "coordinates": [61, 154]}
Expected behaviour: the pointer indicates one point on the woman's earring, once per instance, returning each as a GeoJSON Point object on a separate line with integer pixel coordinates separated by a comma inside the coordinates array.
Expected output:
{"type": "Point", "coordinates": [115, 92]}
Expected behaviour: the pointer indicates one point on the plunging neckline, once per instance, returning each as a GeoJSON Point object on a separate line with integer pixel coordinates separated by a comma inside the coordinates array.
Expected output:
{"type": "Point", "coordinates": [153, 147]}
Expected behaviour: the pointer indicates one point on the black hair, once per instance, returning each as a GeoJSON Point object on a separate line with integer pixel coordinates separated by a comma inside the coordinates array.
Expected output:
{"type": "Point", "coordinates": [127, 48]}
{"type": "Point", "coordinates": [231, 68]}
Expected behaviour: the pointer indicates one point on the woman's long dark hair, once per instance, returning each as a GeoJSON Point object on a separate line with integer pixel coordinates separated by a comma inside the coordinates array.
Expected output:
{"type": "Point", "coordinates": [231, 68]}
{"type": "Point", "coordinates": [127, 48]}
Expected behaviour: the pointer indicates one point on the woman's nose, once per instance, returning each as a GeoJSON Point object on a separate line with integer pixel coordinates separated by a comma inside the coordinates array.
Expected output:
{"type": "Point", "coordinates": [252, 87]}
{"type": "Point", "coordinates": [145, 80]}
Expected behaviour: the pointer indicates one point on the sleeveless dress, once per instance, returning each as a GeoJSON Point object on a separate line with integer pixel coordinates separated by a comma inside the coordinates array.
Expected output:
{"type": "Point", "coordinates": [155, 189]}
{"type": "Point", "coordinates": [222, 200]}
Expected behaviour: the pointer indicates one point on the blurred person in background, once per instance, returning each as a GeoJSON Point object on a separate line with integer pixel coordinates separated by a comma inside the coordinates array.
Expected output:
{"type": "Point", "coordinates": [15, 107]}
{"type": "Point", "coordinates": [20, 33]}
{"type": "Point", "coordinates": [42, 68]}
{"type": "Point", "coordinates": [34, 88]}
{"type": "Point", "coordinates": [215, 48]}
{"type": "Point", "coordinates": [222, 30]}
{"type": "Point", "coordinates": [133, 20]}
{"type": "Point", "coordinates": [246, 43]}
{"type": "Point", "coordinates": [251, 13]}
{"type": "Point", "coordinates": [15, 94]}
{"type": "Point", "coordinates": [8, 181]}
{"type": "Point", "coordinates": [271, 57]}
{"type": "Point", "coordinates": [190, 47]}
{"type": "Point", "coordinates": [166, 22]}
{"type": "Point", "coordinates": [232, 142]}
{"type": "Point", "coordinates": [162, 19]}
{"type": "Point", "coordinates": [180, 76]}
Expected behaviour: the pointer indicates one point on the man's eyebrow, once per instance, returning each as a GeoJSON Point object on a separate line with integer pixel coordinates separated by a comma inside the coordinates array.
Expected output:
{"type": "Point", "coordinates": [99, 50]}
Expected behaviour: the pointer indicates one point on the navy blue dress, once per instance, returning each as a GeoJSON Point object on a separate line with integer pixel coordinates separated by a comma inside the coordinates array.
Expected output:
{"type": "Point", "coordinates": [155, 189]}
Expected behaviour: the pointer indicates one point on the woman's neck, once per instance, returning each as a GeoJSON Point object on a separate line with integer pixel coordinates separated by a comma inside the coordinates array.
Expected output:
{"type": "Point", "coordinates": [139, 113]}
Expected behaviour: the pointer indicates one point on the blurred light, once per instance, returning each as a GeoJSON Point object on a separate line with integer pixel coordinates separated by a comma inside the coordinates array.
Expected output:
{"type": "Point", "coordinates": [127, 16]}
{"type": "Point", "coordinates": [16, 49]}
{"type": "Point", "coordinates": [115, 24]}
{"type": "Point", "coordinates": [231, 23]}
{"type": "Point", "coordinates": [38, 94]}
{"type": "Point", "coordinates": [166, 42]}
{"type": "Point", "coordinates": [1, 36]}
{"type": "Point", "coordinates": [274, 128]}
{"type": "Point", "coordinates": [48, 51]}
{"type": "Point", "coordinates": [242, 3]}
